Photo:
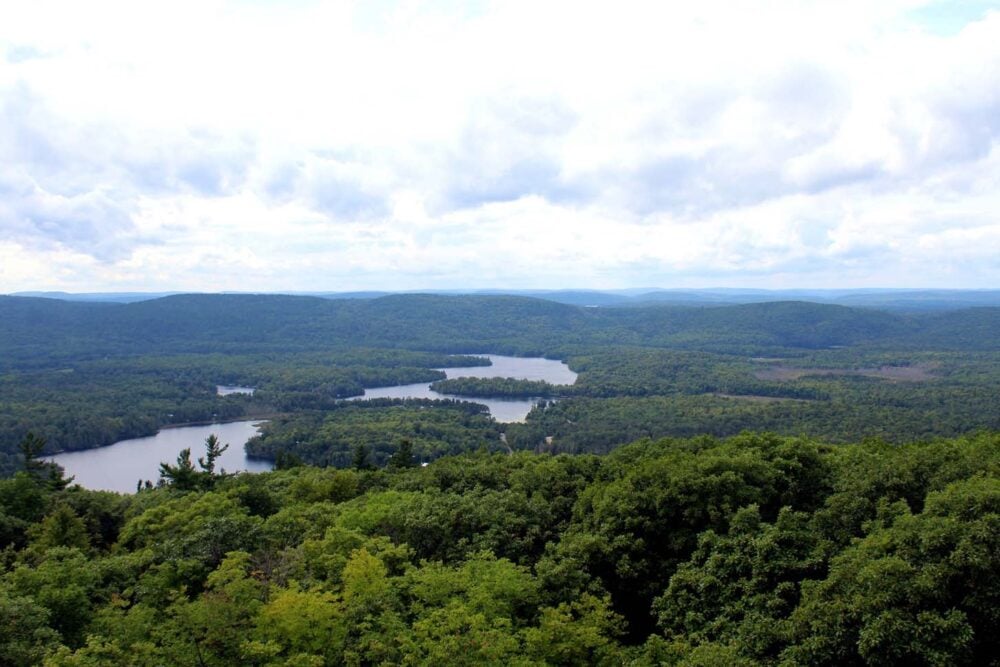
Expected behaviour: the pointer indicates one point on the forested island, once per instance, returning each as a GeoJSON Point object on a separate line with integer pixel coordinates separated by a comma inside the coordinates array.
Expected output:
{"type": "Point", "coordinates": [499, 387]}
{"type": "Point", "coordinates": [785, 483]}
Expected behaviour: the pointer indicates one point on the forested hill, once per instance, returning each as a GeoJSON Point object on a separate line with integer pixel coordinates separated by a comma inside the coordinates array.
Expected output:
{"type": "Point", "coordinates": [34, 328]}
{"type": "Point", "coordinates": [31, 327]}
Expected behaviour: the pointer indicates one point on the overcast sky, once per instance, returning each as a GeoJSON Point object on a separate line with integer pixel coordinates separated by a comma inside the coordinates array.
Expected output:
{"type": "Point", "coordinates": [274, 146]}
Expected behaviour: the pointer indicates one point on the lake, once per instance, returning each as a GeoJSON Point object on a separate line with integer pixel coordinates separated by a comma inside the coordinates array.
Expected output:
{"type": "Point", "coordinates": [503, 410]}
{"type": "Point", "coordinates": [119, 466]}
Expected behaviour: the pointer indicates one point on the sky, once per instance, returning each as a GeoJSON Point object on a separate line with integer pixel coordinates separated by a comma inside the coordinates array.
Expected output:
{"type": "Point", "coordinates": [330, 146]}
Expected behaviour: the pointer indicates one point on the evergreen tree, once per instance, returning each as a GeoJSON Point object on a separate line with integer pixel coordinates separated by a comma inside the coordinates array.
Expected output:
{"type": "Point", "coordinates": [403, 457]}
{"type": "Point", "coordinates": [182, 476]}
{"type": "Point", "coordinates": [359, 459]}
{"type": "Point", "coordinates": [43, 471]}
{"type": "Point", "coordinates": [31, 449]}
{"type": "Point", "coordinates": [185, 477]}
{"type": "Point", "coordinates": [213, 450]}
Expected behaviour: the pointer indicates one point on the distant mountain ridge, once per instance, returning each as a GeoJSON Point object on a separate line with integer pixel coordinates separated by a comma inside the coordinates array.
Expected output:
{"type": "Point", "coordinates": [201, 323]}
{"type": "Point", "coordinates": [886, 299]}
{"type": "Point", "coordinates": [108, 297]}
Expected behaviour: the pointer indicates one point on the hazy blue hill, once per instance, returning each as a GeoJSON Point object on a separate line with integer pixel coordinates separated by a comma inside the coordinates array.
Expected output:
{"type": "Point", "coordinates": [56, 329]}
{"type": "Point", "coordinates": [584, 297]}
{"type": "Point", "coordinates": [345, 295]}
{"type": "Point", "coordinates": [253, 323]}
{"type": "Point", "coordinates": [923, 300]}
{"type": "Point", "coordinates": [885, 299]}
{"type": "Point", "coordinates": [226, 315]}
{"type": "Point", "coordinates": [678, 298]}
{"type": "Point", "coordinates": [20, 311]}
{"type": "Point", "coordinates": [109, 297]}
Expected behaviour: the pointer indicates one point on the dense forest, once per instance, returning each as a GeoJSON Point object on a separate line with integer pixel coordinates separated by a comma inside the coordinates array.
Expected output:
{"type": "Point", "coordinates": [752, 550]}
{"type": "Point", "coordinates": [85, 374]}
{"type": "Point", "coordinates": [376, 427]}
{"type": "Point", "coordinates": [499, 387]}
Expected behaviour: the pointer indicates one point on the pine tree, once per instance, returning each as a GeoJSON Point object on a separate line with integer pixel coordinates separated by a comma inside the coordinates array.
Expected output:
{"type": "Point", "coordinates": [31, 449]}
{"type": "Point", "coordinates": [182, 476]}
{"type": "Point", "coordinates": [213, 450]}
{"type": "Point", "coordinates": [402, 457]}
{"type": "Point", "coordinates": [359, 459]}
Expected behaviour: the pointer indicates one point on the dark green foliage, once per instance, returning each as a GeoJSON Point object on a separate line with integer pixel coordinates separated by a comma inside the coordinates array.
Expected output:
{"type": "Point", "coordinates": [31, 449]}
{"type": "Point", "coordinates": [753, 550]}
{"type": "Point", "coordinates": [61, 528]}
{"type": "Point", "coordinates": [739, 587]}
{"type": "Point", "coordinates": [498, 387]}
{"type": "Point", "coordinates": [185, 477]}
{"type": "Point", "coordinates": [360, 459]}
{"type": "Point", "coordinates": [285, 460]}
{"type": "Point", "coordinates": [25, 633]}
{"type": "Point", "coordinates": [213, 450]}
{"type": "Point", "coordinates": [182, 476]}
{"type": "Point", "coordinates": [433, 429]}
{"type": "Point", "coordinates": [663, 495]}
{"type": "Point", "coordinates": [402, 457]}
{"type": "Point", "coordinates": [22, 501]}
{"type": "Point", "coordinates": [918, 589]}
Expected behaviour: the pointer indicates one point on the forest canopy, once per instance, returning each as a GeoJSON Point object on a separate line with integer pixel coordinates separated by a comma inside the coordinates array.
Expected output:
{"type": "Point", "coordinates": [755, 549]}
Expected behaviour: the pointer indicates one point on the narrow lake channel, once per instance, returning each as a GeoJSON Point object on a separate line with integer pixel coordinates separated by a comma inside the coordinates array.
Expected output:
{"type": "Point", "coordinates": [503, 410]}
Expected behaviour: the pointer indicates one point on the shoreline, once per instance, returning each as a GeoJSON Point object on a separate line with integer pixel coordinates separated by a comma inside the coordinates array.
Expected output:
{"type": "Point", "coordinates": [230, 420]}
{"type": "Point", "coordinates": [166, 427]}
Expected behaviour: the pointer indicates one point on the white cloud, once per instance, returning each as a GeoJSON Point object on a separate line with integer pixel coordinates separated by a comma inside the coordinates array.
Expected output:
{"type": "Point", "coordinates": [342, 145]}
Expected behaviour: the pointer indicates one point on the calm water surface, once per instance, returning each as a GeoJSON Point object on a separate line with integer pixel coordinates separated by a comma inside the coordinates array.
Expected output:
{"type": "Point", "coordinates": [119, 466]}
{"type": "Point", "coordinates": [503, 410]}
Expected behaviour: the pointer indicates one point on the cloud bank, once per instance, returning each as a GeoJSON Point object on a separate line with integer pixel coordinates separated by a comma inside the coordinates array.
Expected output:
{"type": "Point", "coordinates": [335, 145]}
